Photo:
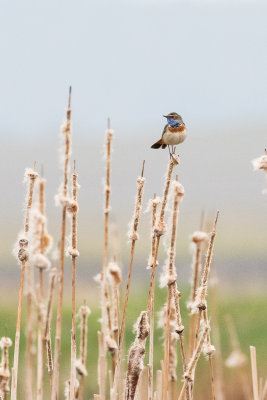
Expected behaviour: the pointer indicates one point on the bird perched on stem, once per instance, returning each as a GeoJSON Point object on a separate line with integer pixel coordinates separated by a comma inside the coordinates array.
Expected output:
{"type": "Point", "coordinates": [173, 133]}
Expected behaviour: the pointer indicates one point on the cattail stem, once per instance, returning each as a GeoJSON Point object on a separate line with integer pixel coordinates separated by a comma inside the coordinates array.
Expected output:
{"type": "Point", "coordinates": [105, 297]}
{"type": "Point", "coordinates": [47, 336]}
{"type": "Point", "coordinates": [189, 375]}
{"type": "Point", "coordinates": [178, 193]}
{"type": "Point", "coordinates": [254, 373]}
{"type": "Point", "coordinates": [31, 176]}
{"type": "Point", "coordinates": [74, 253]}
{"type": "Point", "coordinates": [66, 130]}
{"type": "Point", "coordinates": [154, 249]}
{"type": "Point", "coordinates": [17, 337]}
{"type": "Point", "coordinates": [159, 230]}
{"type": "Point", "coordinates": [209, 352]}
{"type": "Point", "coordinates": [200, 302]}
{"type": "Point", "coordinates": [193, 297]}
{"type": "Point", "coordinates": [41, 338]}
{"type": "Point", "coordinates": [133, 236]}
{"type": "Point", "coordinates": [84, 312]}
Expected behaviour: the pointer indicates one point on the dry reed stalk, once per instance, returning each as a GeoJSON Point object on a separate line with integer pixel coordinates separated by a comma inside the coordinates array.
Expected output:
{"type": "Point", "coordinates": [190, 372]}
{"type": "Point", "coordinates": [200, 300]}
{"type": "Point", "coordinates": [154, 203]}
{"type": "Point", "coordinates": [47, 324]}
{"type": "Point", "coordinates": [64, 201]}
{"type": "Point", "coordinates": [142, 386]}
{"type": "Point", "coordinates": [158, 394]}
{"type": "Point", "coordinates": [115, 278]}
{"type": "Point", "coordinates": [136, 356]}
{"type": "Point", "coordinates": [23, 256]}
{"type": "Point", "coordinates": [158, 231]}
{"type": "Point", "coordinates": [29, 323]}
{"type": "Point", "coordinates": [254, 373]}
{"type": "Point", "coordinates": [209, 351]}
{"type": "Point", "coordinates": [42, 264]}
{"type": "Point", "coordinates": [173, 293]}
{"type": "Point", "coordinates": [104, 290]}
{"type": "Point", "coordinates": [5, 343]}
{"type": "Point", "coordinates": [133, 236]}
{"type": "Point", "coordinates": [216, 338]}
{"type": "Point", "coordinates": [84, 312]}
{"type": "Point", "coordinates": [73, 252]}
{"type": "Point", "coordinates": [198, 238]}
{"type": "Point", "coordinates": [105, 302]}
{"type": "Point", "coordinates": [264, 391]}
{"type": "Point", "coordinates": [102, 366]}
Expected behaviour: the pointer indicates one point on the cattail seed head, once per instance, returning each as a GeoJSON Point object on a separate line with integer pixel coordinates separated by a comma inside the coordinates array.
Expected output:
{"type": "Point", "coordinates": [84, 311]}
{"type": "Point", "coordinates": [66, 126]}
{"type": "Point", "coordinates": [115, 273]}
{"type": "Point", "coordinates": [73, 252]}
{"type": "Point", "coordinates": [199, 237]}
{"type": "Point", "coordinates": [260, 163]}
{"type": "Point", "coordinates": [47, 240]}
{"type": "Point", "coordinates": [80, 368]}
{"type": "Point", "coordinates": [160, 228]}
{"type": "Point", "coordinates": [23, 255]}
{"type": "Point", "coordinates": [40, 261]}
{"type": "Point", "coordinates": [72, 207]}
{"type": "Point", "coordinates": [209, 350]}
{"type": "Point", "coordinates": [111, 345]}
{"type": "Point", "coordinates": [109, 133]}
{"type": "Point", "coordinates": [236, 359]}
{"type": "Point", "coordinates": [142, 326]}
{"type": "Point", "coordinates": [30, 174]}
{"type": "Point", "coordinates": [23, 243]}
{"type": "Point", "coordinates": [137, 355]}
{"type": "Point", "coordinates": [5, 342]}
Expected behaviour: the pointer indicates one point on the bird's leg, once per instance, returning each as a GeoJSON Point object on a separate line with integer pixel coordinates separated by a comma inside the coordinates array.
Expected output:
{"type": "Point", "coordinates": [169, 151]}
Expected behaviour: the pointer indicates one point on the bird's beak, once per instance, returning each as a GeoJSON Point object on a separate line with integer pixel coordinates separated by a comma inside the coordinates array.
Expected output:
{"type": "Point", "coordinates": [165, 116]}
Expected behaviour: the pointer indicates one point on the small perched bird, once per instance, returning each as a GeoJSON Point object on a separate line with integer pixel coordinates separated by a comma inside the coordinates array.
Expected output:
{"type": "Point", "coordinates": [173, 133]}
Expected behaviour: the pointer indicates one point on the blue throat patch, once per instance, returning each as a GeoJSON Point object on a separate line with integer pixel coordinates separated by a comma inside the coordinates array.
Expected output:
{"type": "Point", "coordinates": [173, 123]}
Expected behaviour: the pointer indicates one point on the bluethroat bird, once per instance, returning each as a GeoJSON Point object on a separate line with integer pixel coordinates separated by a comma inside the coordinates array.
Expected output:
{"type": "Point", "coordinates": [173, 133]}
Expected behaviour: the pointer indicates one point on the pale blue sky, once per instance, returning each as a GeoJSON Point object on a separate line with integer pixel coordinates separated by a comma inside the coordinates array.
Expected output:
{"type": "Point", "coordinates": [133, 60]}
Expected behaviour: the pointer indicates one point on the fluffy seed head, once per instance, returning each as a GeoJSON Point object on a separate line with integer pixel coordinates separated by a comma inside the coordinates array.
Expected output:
{"type": "Point", "coordinates": [209, 350]}
{"type": "Point", "coordinates": [40, 261]}
{"type": "Point", "coordinates": [5, 342]}
{"type": "Point", "coordinates": [111, 345]}
{"type": "Point", "coordinates": [72, 207]}
{"type": "Point", "coordinates": [30, 174]}
{"type": "Point", "coordinates": [236, 359]}
{"type": "Point", "coordinates": [160, 229]}
{"type": "Point", "coordinates": [142, 326]}
{"type": "Point", "coordinates": [115, 273]}
{"type": "Point", "coordinates": [80, 368]}
{"type": "Point", "coordinates": [199, 237]}
{"type": "Point", "coordinates": [260, 163]}
{"type": "Point", "coordinates": [23, 255]}
{"type": "Point", "coordinates": [84, 310]}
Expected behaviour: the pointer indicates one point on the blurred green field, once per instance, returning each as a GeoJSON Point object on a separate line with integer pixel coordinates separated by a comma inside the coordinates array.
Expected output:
{"type": "Point", "coordinates": [247, 308]}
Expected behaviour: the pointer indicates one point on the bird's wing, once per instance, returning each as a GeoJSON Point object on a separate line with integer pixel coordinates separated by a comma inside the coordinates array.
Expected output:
{"type": "Point", "coordinates": [164, 130]}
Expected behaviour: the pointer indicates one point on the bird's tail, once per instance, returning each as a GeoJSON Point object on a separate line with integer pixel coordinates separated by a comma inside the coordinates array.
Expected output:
{"type": "Point", "coordinates": [158, 144]}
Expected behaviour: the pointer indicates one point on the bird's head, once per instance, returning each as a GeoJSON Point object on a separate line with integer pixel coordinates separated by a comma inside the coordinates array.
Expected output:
{"type": "Point", "coordinates": [174, 119]}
